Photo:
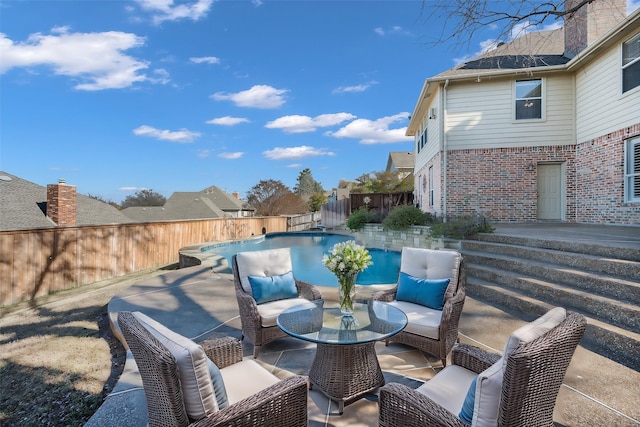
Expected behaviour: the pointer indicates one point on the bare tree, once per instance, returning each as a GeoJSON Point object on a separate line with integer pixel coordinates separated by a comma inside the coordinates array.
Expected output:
{"type": "Point", "coordinates": [144, 197]}
{"type": "Point", "coordinates": [272, 197]}
{"type": "Point", "coordinates": [460, 20]}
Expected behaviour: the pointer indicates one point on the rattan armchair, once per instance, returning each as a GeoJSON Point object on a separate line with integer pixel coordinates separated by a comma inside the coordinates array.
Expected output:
{"type": "Point", "coordinates": [531, 377]}
{"type": "Point", "coordinates": [443, 327]}
{"type": "Point", "coordinates": [259, 323]}
{"type": "Point", "coordinates": [283, 403]}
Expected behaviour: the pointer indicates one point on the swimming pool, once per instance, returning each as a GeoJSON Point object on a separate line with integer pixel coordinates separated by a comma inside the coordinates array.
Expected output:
{"type": "Point", "coordinates": [306, 255]}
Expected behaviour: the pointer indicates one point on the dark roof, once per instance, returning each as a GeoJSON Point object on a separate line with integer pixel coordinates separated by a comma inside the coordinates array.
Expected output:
{"type": "Point", "coordinates": [23, 205]}
{"type": "Point", "coordinates": [212, 202]}
{"type": "Point", "coordinates": [532, 50]}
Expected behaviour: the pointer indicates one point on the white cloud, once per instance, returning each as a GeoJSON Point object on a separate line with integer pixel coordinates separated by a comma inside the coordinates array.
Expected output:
{"type": "Point", "coordinates": [357, 88]}
{"type": "Point", "coordinates": [205, 60]}
{"type": "Point", "coordinates": [375, 131]}
{"type": "Point", "coordinates": [231, 156]}
{"type": "Point", "coordinates": [203, 153]}
{"type": "Point", "coordinates": [259, 96]}
{"type": "Point", "coordinates": [95, 58]}
{"type": "Point", "coordinates": [166, 10]}
{"type": "Point", "coordinates": [227, 121]}
{"type": "Point", "coordinates": [395, 29]}
{"type": "Point", "coordinates": [301, 152]}
{"type": "Point", "coordinates": [181, 136]}
{"type": "Point", "coordinates": [302, 124]}
{"type": "Point", "coordinates": [132, 188]}
{"type": "Point", "coordinates": [294, 165]}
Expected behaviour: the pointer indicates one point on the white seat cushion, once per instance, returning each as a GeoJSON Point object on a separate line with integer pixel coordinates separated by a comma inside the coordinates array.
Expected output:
{"type": "Point", "coordinates": [421, 320]}
{"type": "Point", "coordinates": [245, 379]}
{"type": "Point", "coordinates": [449, 388]}
{"type": "Point", "coordinates": [267, 263]}
{"type": "Point", "coordinates": [269, 311]}
{"type": "Point", "coordinates": [432, 264]}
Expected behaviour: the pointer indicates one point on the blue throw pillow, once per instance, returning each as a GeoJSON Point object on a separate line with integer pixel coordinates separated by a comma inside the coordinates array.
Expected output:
{"type": "Point", "coordinates": [218, 385]}
{"type": "Point", "coordinates": [273, 288]}
{"type": "Point", "coordinates": [466, 413]}
{"type": "Point", "coordinates": [427, 292]}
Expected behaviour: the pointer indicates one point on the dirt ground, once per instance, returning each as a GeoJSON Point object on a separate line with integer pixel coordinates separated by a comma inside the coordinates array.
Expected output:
{"type": "Point", "coordinates": [58, 356]}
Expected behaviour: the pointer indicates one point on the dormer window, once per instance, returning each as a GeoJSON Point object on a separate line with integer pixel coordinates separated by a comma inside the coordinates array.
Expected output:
{"type": "Point", "coordinates": [631, 63]}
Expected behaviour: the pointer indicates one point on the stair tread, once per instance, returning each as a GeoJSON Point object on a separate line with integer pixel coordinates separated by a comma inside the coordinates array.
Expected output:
{"type": "Point", "coordinates": [590, 320]}
{"type": "Point", "coordinates": [562, 286]}
{"type": "Point", "coordinates": [562, 267]}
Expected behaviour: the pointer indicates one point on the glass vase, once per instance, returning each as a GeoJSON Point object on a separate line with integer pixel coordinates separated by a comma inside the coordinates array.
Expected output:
{"type": "Point", "coordinates": [347, 293]}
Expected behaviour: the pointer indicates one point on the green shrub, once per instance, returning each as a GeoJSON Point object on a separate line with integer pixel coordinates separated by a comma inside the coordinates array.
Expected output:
{"type": "Point", "coordinates": [404, 216]}
{"type": "Point", "coordinates": [359, 218]}
{"type": "Point", "coordinates": [462, 227]}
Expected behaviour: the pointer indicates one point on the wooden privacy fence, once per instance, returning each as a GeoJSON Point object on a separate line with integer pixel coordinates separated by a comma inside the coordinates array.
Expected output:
{"type": "Point", "coordinates": [336, 213]}
{"type": "Point", "coordinates": [382, 203]}
{"type": "Point", "coordinates": [39, 261]}
{"type": "Point", "coordinates": [303, 222]}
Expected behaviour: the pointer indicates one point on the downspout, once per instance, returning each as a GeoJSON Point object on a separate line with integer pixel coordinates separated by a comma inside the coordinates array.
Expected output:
{"type": "Point", "coordinates": [444, 149]}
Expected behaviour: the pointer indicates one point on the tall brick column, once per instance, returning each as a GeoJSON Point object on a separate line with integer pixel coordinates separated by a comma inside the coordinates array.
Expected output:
{"type": "Point", "coordinates": [61, 203]}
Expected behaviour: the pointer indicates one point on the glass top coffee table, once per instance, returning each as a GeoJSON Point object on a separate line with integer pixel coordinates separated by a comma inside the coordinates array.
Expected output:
{"type": "Point", "coordinates": [345, 366]}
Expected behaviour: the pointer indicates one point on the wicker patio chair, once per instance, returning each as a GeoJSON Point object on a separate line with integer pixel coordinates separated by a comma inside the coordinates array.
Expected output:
{"type": "Point", "coordinates": [259, 320]}
{"type": "Point", "coordinates": [283, 403]}
{"type": "Point", "coordinates": [430, 330]}
{"type": "Point", "coordinates": [525, 384]}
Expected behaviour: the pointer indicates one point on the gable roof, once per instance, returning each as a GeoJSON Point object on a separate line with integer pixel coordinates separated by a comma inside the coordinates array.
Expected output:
{"type": "Point", "coordinates": [23, 205]}
{"type": "Point", "coordinates": [212, 202]}
{"type": "Point", "coordinates": [401, 160]}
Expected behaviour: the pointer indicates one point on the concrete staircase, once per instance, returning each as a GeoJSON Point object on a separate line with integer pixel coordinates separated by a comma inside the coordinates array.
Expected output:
{"type": "Point", "coordinates": [527, 276]}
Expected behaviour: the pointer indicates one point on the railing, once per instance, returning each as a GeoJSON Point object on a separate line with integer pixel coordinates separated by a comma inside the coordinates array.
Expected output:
{"type": "Point", "coordinates": [40, 261]}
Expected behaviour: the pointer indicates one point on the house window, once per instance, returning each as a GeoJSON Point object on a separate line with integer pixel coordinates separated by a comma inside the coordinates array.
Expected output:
{"type": "Point", "coordinates": [430, 185]}
{"type": "Point", "coordinates": [528, 103]}
{"type": "Point", "coordinates": [632, 170]}
{"type": "Point", "coordinates": [631, 63]}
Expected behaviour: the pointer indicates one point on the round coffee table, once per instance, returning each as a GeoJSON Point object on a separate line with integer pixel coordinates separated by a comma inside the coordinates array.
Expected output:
{"type": "Point", "coordinates": [345, 366]}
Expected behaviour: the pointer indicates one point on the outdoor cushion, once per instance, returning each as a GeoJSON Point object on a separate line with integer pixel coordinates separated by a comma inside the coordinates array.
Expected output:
{"type": "Point", "coordinates": [426, 292]}
{"type": "Point", "coordinates": [489, 383]}
{"type": "Point", "coordinates": [195, 380]}
{"type": "Point", "coordinates": [269, 311]}
{"type": "Point", "coordinates": [245, 379]}
{"type": "Point", "coordinates": [273, 288]}
{"type": "Point", "coordinates": [449, 387]}
{"type": "Point", "coordinates": [466, 412]}
{"type": "Point", "coordinates": [431, 264]}
{"type": "Point", "coordinates": [271, 262]}
{"type": "Point", "coordinates": [421, 320]}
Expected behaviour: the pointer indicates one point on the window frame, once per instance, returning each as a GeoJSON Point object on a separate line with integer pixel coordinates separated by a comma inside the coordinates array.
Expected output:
{"type": "Point", "coordinates": [633, 63]}
{"type": "Point", "coordinates": [431, 188]}
{"type": "Point", "coordinates": [632, 170]}
{"type": "Point", "coordinates": [542, 99]}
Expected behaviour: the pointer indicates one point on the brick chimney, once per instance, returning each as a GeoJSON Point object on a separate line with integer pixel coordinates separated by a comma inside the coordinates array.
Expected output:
{"type": "Point", "coordinates": [590, 22]}
{"type": "Point", "coordinates": [61, 203]}
{"type": "Point", "coordinates": [236, 195]}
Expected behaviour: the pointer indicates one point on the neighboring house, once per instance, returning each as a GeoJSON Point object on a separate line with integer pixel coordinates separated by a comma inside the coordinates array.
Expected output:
{"type": "Point", "coordinates": [25, 205]}
{"type": "Point", "coordinates": [212, 202]}
{"type": "Point", "coordinates": [546, 127]}
{"type": "Point", "coordinates": [401, 162]}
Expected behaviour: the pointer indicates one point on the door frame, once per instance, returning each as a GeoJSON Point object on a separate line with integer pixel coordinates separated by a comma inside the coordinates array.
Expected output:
{"type": "Point", "coordinates": [563, 190]}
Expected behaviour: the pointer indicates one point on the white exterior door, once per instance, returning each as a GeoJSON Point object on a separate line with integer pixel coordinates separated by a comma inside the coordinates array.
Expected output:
{"type": "Point", "coordinates": [550, 192]}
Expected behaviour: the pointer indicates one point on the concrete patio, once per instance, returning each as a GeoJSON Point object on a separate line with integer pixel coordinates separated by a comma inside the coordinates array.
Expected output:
{"type": "Point", "coordinates": [199, 302]}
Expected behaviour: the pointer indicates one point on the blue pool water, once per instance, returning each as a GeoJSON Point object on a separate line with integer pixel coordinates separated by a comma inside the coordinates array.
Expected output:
{"type": "Point", "coordinates": [306, 255]}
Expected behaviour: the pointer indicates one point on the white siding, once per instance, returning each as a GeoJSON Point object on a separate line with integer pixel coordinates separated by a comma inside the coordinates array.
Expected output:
{"type": "Point", "coordinates": [434, 135]}
{"type": "Point", "coordinates": [601, 107]}
{"type": "Point", "coordinates": [480, 115]}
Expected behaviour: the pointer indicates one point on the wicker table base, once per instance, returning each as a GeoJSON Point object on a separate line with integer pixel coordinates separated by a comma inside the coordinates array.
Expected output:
{"type": "Point", "coordinates": [346, 372]}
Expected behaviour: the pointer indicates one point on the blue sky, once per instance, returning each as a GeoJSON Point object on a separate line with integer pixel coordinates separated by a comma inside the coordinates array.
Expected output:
{"type": "Point", "coordinates": [117, 96]}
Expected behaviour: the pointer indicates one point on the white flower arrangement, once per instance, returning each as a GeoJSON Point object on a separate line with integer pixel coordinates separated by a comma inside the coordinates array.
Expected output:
{"type": "Point", "coordinates": [347, 258]}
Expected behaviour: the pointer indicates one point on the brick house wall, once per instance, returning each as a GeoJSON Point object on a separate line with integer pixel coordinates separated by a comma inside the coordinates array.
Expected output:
{"type": "Point", "coordinates": [501, 183]}
{"type": "Point", "coordinates": [600, 174]}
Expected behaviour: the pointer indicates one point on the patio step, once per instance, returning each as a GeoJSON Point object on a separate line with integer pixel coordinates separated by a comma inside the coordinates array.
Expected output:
{"type": "Point", "coordinates": [528, 276]}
